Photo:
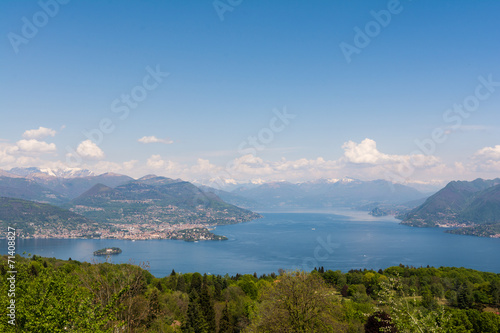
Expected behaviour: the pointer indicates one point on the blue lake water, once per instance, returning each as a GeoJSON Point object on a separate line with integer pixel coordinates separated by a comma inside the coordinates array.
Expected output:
{"type": "Point", "coordinates": [345, 240]}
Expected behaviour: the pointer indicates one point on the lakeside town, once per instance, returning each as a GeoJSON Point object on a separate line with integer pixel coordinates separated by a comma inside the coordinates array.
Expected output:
{"type": "Point", "coordinates": [134, 231]}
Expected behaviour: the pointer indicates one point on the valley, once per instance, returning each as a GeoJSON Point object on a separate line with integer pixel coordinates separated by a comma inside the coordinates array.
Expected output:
{"type": "Point", "coordinates": [79, 204]}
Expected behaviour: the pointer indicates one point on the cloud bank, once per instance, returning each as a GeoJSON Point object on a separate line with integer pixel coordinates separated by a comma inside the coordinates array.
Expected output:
{"type": "Point", "coordinates": [363, 160]}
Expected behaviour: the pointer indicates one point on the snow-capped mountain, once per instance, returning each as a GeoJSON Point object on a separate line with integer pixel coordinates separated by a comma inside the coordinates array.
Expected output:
{"type": "Point", "coordinates": [59, 173]}
{"type": "Point", "coordinates": [69, 172]}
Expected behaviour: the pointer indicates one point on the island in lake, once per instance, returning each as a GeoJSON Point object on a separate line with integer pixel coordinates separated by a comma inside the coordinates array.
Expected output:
{"type": "Point", "coordinates": [195, 234]}
{"type": "Point", "coordinates": [107, 251]}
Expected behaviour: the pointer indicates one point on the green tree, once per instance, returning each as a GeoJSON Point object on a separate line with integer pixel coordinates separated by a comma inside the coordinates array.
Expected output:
{"type": "Point", "coordinates": [154, 308]}
{"type": "Point", "coordinates": [405, 312]}
{"type": "Point", "coordinates": [196, 282]}
{"type": "Point", "coordinates": [298, 302]}
{"type": "Point", "coordinates": [465, 297]}
{"type": "Point", "coordinates": [181, 284]}
{"type": "Point", "coordinates": [495, 292]}
{"type": "Point", "coordinates": [248, 285]}
{"type": "Point", "coordinates": [195, 322]}
{"type": "Point", "coordinates": [52, 301]}
{"type": "Point", "coordinates": [484, 322]}
{"type": "Point", "coordinates": [207, 307]}
{"type": "Point", "coordinates": [225, 324]}
{"type": "Point", "coordinates": [458, 322]}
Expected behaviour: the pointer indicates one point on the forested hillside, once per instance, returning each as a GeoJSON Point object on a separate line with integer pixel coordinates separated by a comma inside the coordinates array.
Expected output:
{"type": "Point", "coordinates": [474, 206]}
{"type": "Point", "coordinates": [33, 218]}
{"type": "Point", "coordinates": [69, 296]}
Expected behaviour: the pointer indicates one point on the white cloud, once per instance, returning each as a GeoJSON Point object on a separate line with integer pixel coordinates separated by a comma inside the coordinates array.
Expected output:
{"type": "Point", "coordinates": [27, 161]}
{"type": "Point", "coordinates": [366, 152]}
{"type": "Point", "coordinates": [486, 159]}
{"type": "Point", "coordinates": [5, 154]}
{"type": "Point", "coordinates": [129, 165]}
{"type": "Point", "coordinates": [88, 149]}
{"type": "Point", "coordinates": [154, 139]}
{"type": "Point", "coordinates": [155, 162]}
{"type": "Point", "coordinates": [41, 132]}
{"type": "Point", "coordinates": [488, 153]}
{"type": "Point", "coordinates": [101, 167]}
{"type": "Point", "coordinates": [361, 160]}
{"type": "Point", "coordinates": [35, 146]}
{"type": "Point", "coordinates": [204, 167]}
{"type": "Point", "coordinates": [173, 168]}
{"type": "Point", "coordinates": [249, 165]}
{"type": "Point", "coordinates": [255, 169]}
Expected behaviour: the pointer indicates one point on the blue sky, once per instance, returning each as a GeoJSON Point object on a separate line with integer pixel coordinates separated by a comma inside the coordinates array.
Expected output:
{"type": "Point", "coordinates": [359, 115]}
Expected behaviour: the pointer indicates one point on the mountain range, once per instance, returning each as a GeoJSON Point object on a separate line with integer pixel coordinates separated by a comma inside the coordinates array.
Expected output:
{"type": "Point", "coordinates": [37, 200]}
{"type": "Point", "coordinates": [62, 186]}
{"type": "Point", "coordinates": [470, 207]}
{"type": "Point", "coordinates": [69, 183]}
{"type": "Point", "coordinates": [27, 189]}
{"type": "Point", "coordinates": [319, 195]}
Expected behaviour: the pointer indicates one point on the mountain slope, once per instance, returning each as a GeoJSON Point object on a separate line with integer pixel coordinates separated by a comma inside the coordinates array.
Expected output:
{"type": "Point", "coordinates": [459, 202]}
{"type": "Point", "coordinates": [232, 198]}
{"type": "Point", "coordinates": [484, 208]}
{"type": "Point", "coordinates": [356, 191]}
{"type": "Point", "coordinates": [4, 173]}
{"type": "Point", "coordinates": [156, 200]}
{"type": "Point", "coordinates": [21, 188]}
{"type": "Point", "coordinates": [38, 219]}
{"type": "Point", "coordinates": [73, 187]}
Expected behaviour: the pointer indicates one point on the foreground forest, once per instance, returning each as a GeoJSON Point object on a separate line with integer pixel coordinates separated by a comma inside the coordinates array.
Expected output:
{"type": "Point", "coordinates": [69, 296]}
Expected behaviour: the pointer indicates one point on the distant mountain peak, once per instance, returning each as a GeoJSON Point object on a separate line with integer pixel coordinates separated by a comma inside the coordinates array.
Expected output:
{"type": "Point", "coordinates": [68, 172]}
{"type": "Point", "coordinates": [157, 180]}
{"type": "Point", "coordinates": [258, 181]}
{"type": "Point", "coordinates": [111, 174]}
{"type": "Point", "coordinates": [23, 172]}
{"type": "Point", "coordinates": [95, 190]}
{"type": "Point", "coordinates": [276, 184]}
{"type": "Point", "coordinates": [53, 172]}
{"type": "Point", "coordinates": [146, 177]}
{"type": "Point", "coordinates": [4, 173]}
{"type": "Point", "coordinates": [344, 180]}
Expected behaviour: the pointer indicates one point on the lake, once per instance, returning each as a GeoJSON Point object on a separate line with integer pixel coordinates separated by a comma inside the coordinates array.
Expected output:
{"type": "Point", "coordinates": [341, 241]}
